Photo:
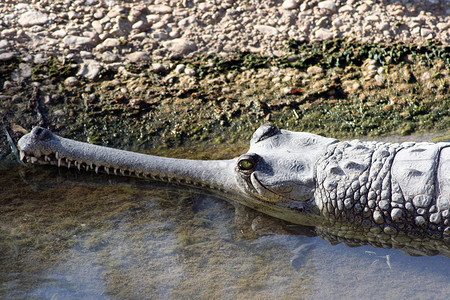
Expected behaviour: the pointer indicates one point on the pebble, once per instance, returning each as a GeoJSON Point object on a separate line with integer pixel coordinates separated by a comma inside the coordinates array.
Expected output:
{"type": "Point", "coordinates": [138, 25]}
{"type": "Point", "coordinates": [323, 34]}
{"type": "Point", "coordinates": [4, 44]}
{"type": "Point", "coordinates": [12, 32]}
{"type": "Point", "coordinates": [32, 18]}
{"type": "Point", "coordinates": [328, 5]}
{"type": "Point", "coordinates": [108, 57]}
{"type": "Point", "coordinates": [289, 4]}
{"type": "Point", "coordinates": [346, 8]}
{"type": "Point", "coordinates": [443, 26]}
{"type": "Point", "coordinates": [40, 58]}
{"type": "Point", "coordinates": [71, 81]}
{"type": "Point", "coordinates": [180, 46]}
{"type": "Point", "coordinates": [337, 22]}
{"type": "Point", "coordinates": [426, 33]}
{"type": "Point", "coordinates": [180, 68]}
{"type": "Point", "coordinates": [77, 41]}
{"type": "Point", "coordinates": [110, 43]}
{"type": "Point", "coordinates": [85, 54]}
{"type": "Point", "coordinates": [25, 70]}
{"type": "Point", "coordinates": [138, 56]}
{"type": "Point", "coordinates": [89, 69]}
{"type": "Point", "coordinates": [190, 71]}
{"type": "Point", "coordinates": [7, 85]}
{"type": "Point", "coordinates": [372, 18]}
{"type": "Point", "coordinates": [60, 33]}
{"type": "Point", "coordinates": [314, 70]}
{"type": "Point", "coordinates": [138, 36]}
{"type": "Point", "coordinates": [363, 8]}
{"type": "Point", "coordinates": [379, 79]}
{"type": "Point", "coordinates": [160, 35]}
{"type": "Point", "coordinates": [160, 9]}
{"type": "Point", "coordinates": [267, 30]}
{"type": "Point", "coordinates": [158, 67]}
{"type": "Point", "coordinates": [98, 27]}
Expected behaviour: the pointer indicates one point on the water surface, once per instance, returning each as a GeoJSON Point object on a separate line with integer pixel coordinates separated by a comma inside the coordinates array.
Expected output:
{"type": "Point", "coordinates": [69, 234]}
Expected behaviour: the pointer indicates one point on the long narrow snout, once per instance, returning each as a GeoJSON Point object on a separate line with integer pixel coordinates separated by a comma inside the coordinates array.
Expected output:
{"type": "Point", "coordinates": [41, 146]}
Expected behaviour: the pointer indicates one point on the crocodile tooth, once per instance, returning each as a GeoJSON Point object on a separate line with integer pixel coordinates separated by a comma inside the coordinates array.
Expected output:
{"type": "Point", "coordinates": [107, 170]}
{"type": "Point", "coordinates": [68, 163]}
{"type": "Point", "coordinates": [59, 162]}
{"type": "Point", "coordinates": [22, 155]}
{"type": "Point", "coordinates": [57, 155]}
{"type": "Point", "coordinates": [96, 169]}
{"type": "Point", "coordinates": [122, 172]}
{"type": "Point", "coordinates": [169, 179]}
{"type": "Point", "coordinates": [78, 165]}
{"type": "Point", "coordinates": [115, 171]}
{"type": "Point", "coordinates": [153, 177]}
{"type": "Point", "coordinates": [33, 159]}
{"type": "Point", "coordinates": [46, 158]}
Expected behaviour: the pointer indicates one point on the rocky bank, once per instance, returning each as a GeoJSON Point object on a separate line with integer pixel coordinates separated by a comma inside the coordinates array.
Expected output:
{"type": "Point", "coordinates": [173, 70]}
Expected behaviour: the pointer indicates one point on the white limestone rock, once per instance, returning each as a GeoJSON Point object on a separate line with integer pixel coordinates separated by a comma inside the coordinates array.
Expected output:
{"type": "Point", "coordinates": [289, 4]}
{"type": "Point", "coordinates": [180, 46]}
{"type": "Point", "coordinates": [32, 18]}
{"type": "Point", "coordinates": [89, 69]}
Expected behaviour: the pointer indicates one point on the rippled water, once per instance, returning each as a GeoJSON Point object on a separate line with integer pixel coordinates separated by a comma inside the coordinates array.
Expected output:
{"type": "Point", "coordinates": [75, 235]}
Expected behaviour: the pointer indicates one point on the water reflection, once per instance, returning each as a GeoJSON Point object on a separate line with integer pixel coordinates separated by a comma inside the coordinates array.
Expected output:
{"type": "Point", "coordinates": [102, 239]}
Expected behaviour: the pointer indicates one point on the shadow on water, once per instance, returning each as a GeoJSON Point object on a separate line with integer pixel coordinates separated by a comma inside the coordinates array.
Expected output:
{"type": "Point", "coordinates": [65, 234]}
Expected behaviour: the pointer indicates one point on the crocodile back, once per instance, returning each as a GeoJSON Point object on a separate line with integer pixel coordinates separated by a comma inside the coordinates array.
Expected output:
{"type": "Point", "coordinates": [385, 189]}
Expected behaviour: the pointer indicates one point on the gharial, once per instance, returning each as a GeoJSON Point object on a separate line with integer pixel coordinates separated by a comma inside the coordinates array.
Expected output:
{"type": "Point", "coordinates": [387, 194]}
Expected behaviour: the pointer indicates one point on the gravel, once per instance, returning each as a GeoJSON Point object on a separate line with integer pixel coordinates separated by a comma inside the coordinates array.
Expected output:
{"type": "Point", "coordinates": [98, 32]}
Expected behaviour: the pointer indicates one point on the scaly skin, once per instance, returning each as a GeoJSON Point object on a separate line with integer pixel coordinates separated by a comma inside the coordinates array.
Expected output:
{"type": "Point", "coordinates": [388, 195]}
{"type": "Point", "coordinates": [393, 187]}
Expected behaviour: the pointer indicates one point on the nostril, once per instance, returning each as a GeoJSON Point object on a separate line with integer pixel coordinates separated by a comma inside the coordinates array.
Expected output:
{"type": "Point", "coordinates": [42, 133]}
{"type": "Point", "coordinates": [38, 131]}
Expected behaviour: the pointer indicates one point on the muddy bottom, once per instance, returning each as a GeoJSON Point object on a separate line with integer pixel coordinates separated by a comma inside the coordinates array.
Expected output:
{"type": "Point", "coordinates": [79, 236]}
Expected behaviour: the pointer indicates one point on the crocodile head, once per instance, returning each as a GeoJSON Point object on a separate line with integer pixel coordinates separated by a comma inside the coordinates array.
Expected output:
{"type": "Point", "coordinates": [279, 169]}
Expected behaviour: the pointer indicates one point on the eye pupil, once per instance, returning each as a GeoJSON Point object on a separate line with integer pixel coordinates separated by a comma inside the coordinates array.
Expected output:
{"type": "Point", "coordinates": [245, 164]}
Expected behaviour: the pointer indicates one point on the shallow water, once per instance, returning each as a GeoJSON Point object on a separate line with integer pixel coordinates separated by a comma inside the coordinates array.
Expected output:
{"type": "Point", "coordinates": [67, 234]}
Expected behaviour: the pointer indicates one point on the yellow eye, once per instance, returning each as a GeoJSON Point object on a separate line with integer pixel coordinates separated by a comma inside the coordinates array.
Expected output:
{"type": "Point", "coordinates": [246, 165]}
